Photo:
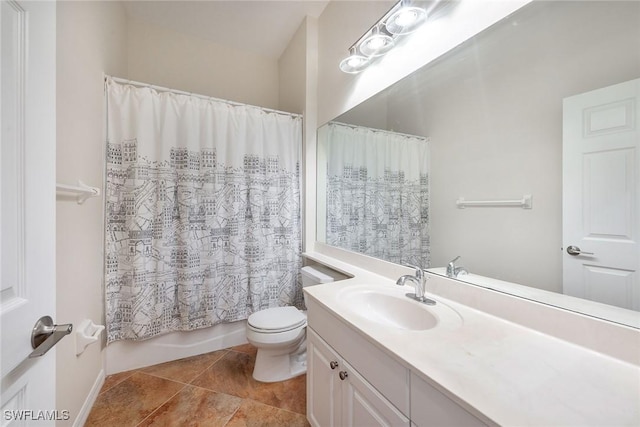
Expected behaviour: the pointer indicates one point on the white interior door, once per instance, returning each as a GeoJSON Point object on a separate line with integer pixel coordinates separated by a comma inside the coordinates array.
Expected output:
{"type": "Point", "coordinates": [601, 195]}
{"type": "Point", "coordinates": [27, 207]}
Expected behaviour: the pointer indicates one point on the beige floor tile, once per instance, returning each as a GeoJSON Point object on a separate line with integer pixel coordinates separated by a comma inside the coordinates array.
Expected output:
{"type": "Point", "coordinates": [245, 348]}
{"type": "Point", "coordinates": [132, 400]}
{"type": "Point", "coordinates": [230, 375]}
{"type": "Point", "coordinates": [233, 375]}
{"type": "Point", "coordinates": [256, 414]}
{"type": "Point", "coordinates": [115, 379]}
{"type": "Point", "coordinates": [290, 395]}
{"type": "Point", "coordinates": [192, 407]}
{"type": "Point", "coordinates": [185, 370]}
{"type": "Point", "coordinates": [223, 393]}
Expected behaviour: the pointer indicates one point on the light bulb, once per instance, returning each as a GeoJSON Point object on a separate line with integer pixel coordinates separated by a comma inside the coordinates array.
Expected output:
{"type": "Point", "coordinates": [405, 20]}
{"type": "Point", "coordinates": [406, 17]}
{"type": "Point", "coordinates": [376, 44]}
{"type": "Point", "coordinates": [354, 63]}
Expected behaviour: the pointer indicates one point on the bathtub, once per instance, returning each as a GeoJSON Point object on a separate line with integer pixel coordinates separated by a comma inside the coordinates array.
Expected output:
{"type": "Point", "coordinates": [126, 355]}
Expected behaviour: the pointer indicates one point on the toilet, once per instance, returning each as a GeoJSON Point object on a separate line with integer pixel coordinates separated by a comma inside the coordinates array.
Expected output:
{"type": "Point", "coordinates": [279, 334]}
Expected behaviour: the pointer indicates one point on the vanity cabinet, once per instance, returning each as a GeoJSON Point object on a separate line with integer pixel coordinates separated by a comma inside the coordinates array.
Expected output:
{"type": "Point", "coordinates": [339, 396]}
{"type": "Point", "coordinates": [353, 382]}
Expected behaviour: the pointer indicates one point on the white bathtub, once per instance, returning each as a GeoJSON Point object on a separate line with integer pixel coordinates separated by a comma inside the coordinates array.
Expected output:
{"type": "Point", "coordinates": [126, 355]}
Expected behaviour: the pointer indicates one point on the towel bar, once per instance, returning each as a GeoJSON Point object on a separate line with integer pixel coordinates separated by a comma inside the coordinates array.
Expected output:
{"type": "Point", "coordinates": [524, 203]}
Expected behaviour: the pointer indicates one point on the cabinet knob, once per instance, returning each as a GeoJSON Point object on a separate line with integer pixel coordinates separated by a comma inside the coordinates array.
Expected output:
{"type": "Point", "coordinates": [343, 375]}
{"type": "Point", "coordinates": [333, 364]}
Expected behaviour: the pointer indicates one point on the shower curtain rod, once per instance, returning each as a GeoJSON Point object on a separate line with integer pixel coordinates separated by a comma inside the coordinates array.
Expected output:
{"type": "Point", "coordinates": [406, 135]}
{"type": "Point", "coordinates": [208, 98]}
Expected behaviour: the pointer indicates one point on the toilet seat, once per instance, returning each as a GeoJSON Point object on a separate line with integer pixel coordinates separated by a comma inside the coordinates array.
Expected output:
{"type": "Point", "coordinates": [277, 319]}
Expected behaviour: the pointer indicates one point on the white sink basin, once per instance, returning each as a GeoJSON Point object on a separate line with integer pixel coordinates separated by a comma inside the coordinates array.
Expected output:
{"type": "Point", "coordinates": [391, 308]}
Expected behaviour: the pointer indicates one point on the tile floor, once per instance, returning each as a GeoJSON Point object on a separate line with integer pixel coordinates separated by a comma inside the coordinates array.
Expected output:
{"type": "Point", "coordinates": [213, 389]}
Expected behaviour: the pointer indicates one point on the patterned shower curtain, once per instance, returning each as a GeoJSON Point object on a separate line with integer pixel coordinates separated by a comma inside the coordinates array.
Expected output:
{"type": "Point", "coordinates": [203, 220]}
{"type": "Point", "coordinates": [378, 193]}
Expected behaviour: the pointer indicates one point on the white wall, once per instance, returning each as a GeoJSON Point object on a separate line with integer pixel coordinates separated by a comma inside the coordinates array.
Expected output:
{"type": "Point", "coordinates": [91, 39]}
{"type": "Point", "coordinates": [292, 73]}
{"type": "Point", "coordinates": [298, 69]}
{"type": "Point", "coordinates": [178, 61]}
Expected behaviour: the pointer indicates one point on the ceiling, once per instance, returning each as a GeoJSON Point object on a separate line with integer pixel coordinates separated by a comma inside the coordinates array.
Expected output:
{"type": "Point", "coordinates": [258, 26]}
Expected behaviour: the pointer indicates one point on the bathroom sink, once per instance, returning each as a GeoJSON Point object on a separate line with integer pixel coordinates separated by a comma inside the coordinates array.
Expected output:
{"type": "Point", "coordinates": [391, 308]}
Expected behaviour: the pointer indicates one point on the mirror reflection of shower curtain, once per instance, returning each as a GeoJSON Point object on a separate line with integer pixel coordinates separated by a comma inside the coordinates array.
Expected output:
{"type": "Point", "coordinates": [378, 193]}
{"type": "Point", "coordinates": [203, 220]}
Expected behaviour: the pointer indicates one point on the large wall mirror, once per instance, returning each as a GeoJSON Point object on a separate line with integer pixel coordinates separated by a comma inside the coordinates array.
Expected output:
{"type": "Point", "coordinates": [536, 115]}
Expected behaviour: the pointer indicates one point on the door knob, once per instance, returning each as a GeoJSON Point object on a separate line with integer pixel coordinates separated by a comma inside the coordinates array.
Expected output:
{"type": "Point", "coordinates": [45, 335]}
{"type": "Point", "coordinates": [333, 364]}
{"type": "Point", "coordinates": [574, 250]}
{"type": "Point", "coordinates": [343, 375]}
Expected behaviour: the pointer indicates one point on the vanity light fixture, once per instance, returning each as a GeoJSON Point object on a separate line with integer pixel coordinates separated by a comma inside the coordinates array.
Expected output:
{"type": "Point", "coordinates": [403, 18]}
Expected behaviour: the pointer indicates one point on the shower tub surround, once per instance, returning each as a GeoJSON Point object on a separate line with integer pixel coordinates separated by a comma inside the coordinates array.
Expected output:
{"type": "Point", "coordinates": [509, 362]}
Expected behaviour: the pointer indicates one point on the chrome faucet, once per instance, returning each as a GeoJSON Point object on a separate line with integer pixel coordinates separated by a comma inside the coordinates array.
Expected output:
{"type": "Point", "coordinates": [453, 271]}
{"type": "Point", "coordinates": [419, 281]}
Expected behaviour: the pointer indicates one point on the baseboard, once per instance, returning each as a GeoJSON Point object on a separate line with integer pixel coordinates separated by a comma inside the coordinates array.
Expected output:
{"type": "Point", "coordinates": [81, 419]}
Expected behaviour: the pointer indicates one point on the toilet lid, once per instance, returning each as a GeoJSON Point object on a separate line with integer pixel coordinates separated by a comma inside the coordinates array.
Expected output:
{"type": "Point", "coordinates": [277, 318]}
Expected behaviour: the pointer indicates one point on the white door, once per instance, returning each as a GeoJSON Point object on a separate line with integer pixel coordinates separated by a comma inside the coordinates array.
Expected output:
{"type": "Point", "coordinates": [601, 195]}
{"type": "Point", "coordinates": [27, 207]}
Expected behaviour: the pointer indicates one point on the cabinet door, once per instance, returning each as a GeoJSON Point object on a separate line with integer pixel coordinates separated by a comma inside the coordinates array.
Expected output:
{"type": "Point", "coordinates": [429, 407]}
{"type": "Point", "coordinates": [324, 392]}
{"type": "Point", "coordinates": [363, 405]}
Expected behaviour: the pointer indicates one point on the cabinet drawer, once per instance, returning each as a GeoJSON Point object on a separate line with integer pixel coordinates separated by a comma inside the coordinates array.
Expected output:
{"type": "Point", "coordinates": [384, 373]}
{"type": "Point", "coordinates": [429, 407]}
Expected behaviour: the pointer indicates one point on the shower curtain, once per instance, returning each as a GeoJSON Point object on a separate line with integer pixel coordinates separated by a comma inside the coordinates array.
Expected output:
{"type": "Point", "coordinates": [203, 220]}
{"type": "Point", "coordinates": [378, 193]}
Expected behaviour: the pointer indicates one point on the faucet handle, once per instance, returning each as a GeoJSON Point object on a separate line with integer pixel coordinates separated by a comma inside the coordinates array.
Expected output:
{"type": "Point", "coordinates": [451, 267]}
{"type": "Point", "coordinates": [419, 271]}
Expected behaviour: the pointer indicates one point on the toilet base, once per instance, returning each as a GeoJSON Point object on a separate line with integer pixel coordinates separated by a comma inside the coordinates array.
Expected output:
{"type": "Point", "coordinates": [273, 366]}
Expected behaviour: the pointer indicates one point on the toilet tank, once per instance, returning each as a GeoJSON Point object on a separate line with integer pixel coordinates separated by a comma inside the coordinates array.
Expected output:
{"type": "Point", "coordinates": [316, 275]}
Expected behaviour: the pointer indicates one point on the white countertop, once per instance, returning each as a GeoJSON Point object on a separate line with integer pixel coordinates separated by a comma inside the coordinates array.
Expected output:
{"type": "Point", "coordinates": [499, 370]}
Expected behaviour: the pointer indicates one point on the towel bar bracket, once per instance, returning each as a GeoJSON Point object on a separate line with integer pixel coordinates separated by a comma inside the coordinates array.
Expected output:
{"type": "Point", "coordinates": [82, 190]}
